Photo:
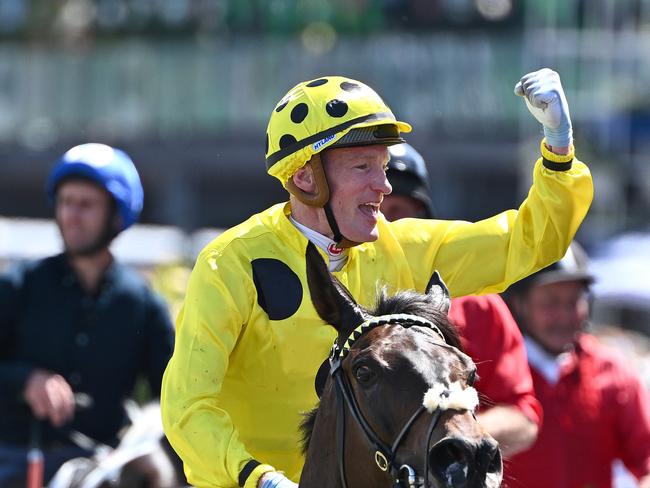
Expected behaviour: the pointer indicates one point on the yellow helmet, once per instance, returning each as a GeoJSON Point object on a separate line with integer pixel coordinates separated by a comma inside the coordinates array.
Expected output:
{"type": "Point", "coordinates": [333, 111]}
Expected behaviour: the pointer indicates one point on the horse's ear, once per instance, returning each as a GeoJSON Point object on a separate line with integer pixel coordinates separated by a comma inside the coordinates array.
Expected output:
{"type": "Point", "coordinates": [333, 302]}
{"type": "Point", "coordinates": [439, 292]}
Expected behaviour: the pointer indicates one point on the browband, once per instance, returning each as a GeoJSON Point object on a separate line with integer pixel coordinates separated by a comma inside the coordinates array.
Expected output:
{"type": "Point", "coordinates": [403, 319]}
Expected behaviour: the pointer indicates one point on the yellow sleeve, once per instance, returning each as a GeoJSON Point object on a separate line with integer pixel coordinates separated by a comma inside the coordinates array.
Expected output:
{"type": "Point", "coordinates": [216, 306]}
{"type": "Point", "coordinates": [489, 255]}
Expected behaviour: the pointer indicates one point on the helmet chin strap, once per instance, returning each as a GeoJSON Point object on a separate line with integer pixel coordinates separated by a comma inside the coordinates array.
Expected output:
{"type": "Point", "coordinates": [341, 241]}
{"type": "Point", "coordinates": [339, 238]}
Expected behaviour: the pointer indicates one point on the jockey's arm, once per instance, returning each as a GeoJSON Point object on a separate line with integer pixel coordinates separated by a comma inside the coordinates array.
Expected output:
{"type": "Point", "coordinates": [488, 256]}
{"type": "Point", "coordinates": [476, 258]}
{"type": "Point", "coordinates": [208, 328]}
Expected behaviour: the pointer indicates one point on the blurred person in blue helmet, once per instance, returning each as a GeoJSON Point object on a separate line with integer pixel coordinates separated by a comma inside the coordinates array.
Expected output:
{"type": "Point", "coordinates": [248, 335]}
{"type": "Point", "coordinates": [77, 329]}
{"type": "Point", "coordinates": [596, 409]}
{"type": "Point", "coordinates": [509, 410]}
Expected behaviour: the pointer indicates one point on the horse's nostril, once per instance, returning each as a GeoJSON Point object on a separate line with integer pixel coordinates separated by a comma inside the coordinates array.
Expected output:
{"type": "Point", "coordinates": [458, 463]}
{"type": "Point", "coordinates": [449, 462]}
{"type": "Point", "coordinates": [493, 455]}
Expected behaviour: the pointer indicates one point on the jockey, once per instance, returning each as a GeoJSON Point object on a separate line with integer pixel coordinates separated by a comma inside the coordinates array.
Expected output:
{"type": "Point", "coordinates": [249, 341]}
{"type": "Point", "coordinates": [78, 324]}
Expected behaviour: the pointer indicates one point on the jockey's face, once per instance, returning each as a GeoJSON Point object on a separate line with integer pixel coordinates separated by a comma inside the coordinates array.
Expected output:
{"type": "Point", "coordinates": [83, 212]}
{"type": "Point", "coordinates": [357, 181]}
{"type": "Point", "coordinates": [553, 314]}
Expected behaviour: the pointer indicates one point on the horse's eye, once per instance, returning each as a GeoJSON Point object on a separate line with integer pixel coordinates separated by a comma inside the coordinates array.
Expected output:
{"type": "Point", "coordinates": [363, 374]}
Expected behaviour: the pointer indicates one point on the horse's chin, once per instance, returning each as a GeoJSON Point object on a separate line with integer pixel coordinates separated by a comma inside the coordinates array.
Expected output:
{"type": "Point", "coordinates": [456, 477]}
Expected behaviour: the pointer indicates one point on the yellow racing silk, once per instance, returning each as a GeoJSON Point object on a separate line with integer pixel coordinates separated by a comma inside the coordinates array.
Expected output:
{"type": "Point", "coordinates": [249, 342]}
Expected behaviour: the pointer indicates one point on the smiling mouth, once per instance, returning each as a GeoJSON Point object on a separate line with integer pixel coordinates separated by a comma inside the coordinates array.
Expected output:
{"type": "Point", "coordinates": [370, 209]}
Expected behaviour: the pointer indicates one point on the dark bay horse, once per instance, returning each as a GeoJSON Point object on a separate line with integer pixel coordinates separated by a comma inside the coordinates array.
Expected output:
{"type": "Point", "coordinates": [397, 400]}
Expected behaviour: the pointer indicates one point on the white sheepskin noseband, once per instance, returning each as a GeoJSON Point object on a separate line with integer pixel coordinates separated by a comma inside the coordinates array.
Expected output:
{"type": "Point", "coordinates": [452, 398]}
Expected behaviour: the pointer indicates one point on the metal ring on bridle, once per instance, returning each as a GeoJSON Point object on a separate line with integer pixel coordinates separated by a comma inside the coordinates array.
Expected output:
{"type": "Point", "coordinates": [381, 461]}
{"type": "Point", "coordinates": [411, 478]}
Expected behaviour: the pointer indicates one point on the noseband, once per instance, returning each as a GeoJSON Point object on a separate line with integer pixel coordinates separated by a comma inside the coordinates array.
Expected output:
{"type": "Point", "coordinates": [404, 476]}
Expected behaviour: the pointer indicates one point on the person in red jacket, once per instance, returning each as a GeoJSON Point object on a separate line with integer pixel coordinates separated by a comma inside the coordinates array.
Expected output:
{"type": "Point", "coordinates": [596, 409]}
{"type": "Point", "coordinates": [509, 410]}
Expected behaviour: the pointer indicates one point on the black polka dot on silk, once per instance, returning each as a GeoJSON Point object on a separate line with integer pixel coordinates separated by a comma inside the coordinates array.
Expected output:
{"type": "Point", "coordinates": [319, 82]}
{"type": "Point", "coordinates": [281, 106]}
{"type": "Point", "coordinates": [286, 140]}
{"type": "Point", "coordinates": [336, 108]}
{"type": "Point", "coordinates": [349, 86]}
{"type": "Point", "coordinates": [279, 291]}
{"type": "Point", "coordinates": [299, 112]}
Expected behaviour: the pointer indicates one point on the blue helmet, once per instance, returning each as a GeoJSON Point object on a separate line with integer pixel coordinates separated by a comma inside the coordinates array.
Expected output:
{"type": "Point", "coordinates": [110, 168]}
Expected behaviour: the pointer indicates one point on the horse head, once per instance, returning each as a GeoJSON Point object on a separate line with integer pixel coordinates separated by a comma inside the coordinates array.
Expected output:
{"type": "Point", "coordinates": [397, 406]}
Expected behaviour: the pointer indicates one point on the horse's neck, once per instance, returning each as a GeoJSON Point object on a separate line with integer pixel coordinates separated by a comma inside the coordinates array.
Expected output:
{"type": "Point", "coordinates": [321, 468]}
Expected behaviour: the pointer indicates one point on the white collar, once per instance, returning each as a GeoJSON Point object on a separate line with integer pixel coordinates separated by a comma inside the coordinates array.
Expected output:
{"type": "Point", "coordinates": [546, 364]}
{"type": "Point", "coordinates": [337, 256]}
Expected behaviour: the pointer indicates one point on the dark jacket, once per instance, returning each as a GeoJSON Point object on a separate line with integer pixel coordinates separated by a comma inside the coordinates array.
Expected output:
{"type": "Point", "coordinates": [100, 344]}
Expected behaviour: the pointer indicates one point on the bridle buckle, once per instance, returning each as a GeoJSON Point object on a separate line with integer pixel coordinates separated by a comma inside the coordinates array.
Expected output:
{"type": "Point", "coordinates": [381, 461]}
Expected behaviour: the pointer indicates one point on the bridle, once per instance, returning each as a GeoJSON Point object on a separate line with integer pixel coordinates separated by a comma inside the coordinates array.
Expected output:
{"type": "Point", "coordinates": [404, 476]}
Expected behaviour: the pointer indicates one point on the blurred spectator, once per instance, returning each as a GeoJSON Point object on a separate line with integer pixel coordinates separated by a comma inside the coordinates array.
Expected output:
{"type": "Point", "coordinates": [510, 412]}
{"type": "Point", "coordinates": [77, 325]}
{"type": "Point", "coordinates": [596, 409]}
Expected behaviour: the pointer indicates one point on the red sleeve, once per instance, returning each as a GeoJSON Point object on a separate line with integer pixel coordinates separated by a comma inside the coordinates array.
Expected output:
{"type": "Point", "coordinates": [493, 340]}
{"type": "Point", "coordinates": [630, 399]}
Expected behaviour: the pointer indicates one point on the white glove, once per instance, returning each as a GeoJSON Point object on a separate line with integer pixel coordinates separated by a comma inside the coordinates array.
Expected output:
{"type": "Point", "coordinates": [544, 96]}
{"type": "Point", "coordinates": [275, 479]}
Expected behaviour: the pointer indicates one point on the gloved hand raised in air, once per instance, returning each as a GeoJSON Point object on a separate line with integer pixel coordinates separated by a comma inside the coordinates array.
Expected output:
{"type": "Point", "coordinates": [544, 96]}
{"type": "Point", "coordinates": [275, 479]}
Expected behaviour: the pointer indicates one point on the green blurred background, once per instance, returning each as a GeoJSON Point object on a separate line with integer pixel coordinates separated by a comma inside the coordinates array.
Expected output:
{"type": "Point", "coordinates": [186, 87]}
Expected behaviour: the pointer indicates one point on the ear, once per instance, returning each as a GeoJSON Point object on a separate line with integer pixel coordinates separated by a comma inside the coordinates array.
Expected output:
{"type": "Point", "coordinates": [331, 299]}
{"type": "Point", "coordinates": [304, 179]}
{"type": "Point", "coordinates": [439, 293]}
{"type": "Point", "coordinates": [309, 184]}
